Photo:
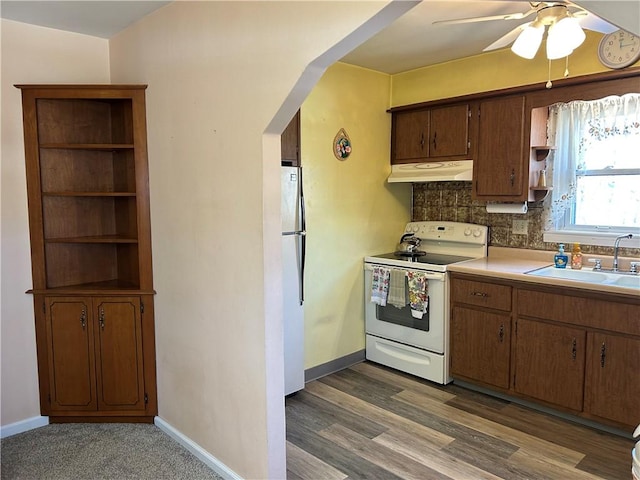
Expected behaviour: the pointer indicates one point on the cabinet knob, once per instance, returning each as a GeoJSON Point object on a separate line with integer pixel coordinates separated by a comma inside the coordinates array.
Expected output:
{"type": "Point", "coordinates": [101, 318]}
{"type": "Point", "coordinates": [501, 333]}
{"type": "Point", "coordinates": [603, 354]}
{"type": "Point", "coordinates": [574, 349]}
{"type": "Point", "coordinates": [512, 177]}
{"type": "Point", "coordinates": [83, 318]}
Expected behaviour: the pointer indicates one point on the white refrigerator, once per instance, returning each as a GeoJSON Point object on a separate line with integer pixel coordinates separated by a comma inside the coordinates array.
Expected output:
{"type": "Point", "coordinates": [293, 258]}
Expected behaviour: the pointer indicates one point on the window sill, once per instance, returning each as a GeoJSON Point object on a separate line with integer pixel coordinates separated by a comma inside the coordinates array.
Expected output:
{"type": "Point", "coordinates": [591, 238]}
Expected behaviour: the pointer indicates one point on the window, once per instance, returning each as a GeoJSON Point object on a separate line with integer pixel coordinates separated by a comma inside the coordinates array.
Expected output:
{"type": "Point", "coordinates": [595, 170]}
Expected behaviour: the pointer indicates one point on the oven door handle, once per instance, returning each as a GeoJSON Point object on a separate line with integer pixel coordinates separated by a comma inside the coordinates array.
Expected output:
{"type": "Point", "coordinates": [435, 276]}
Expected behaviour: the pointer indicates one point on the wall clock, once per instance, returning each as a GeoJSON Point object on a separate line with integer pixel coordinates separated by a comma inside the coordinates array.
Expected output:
{"type": "Point", "coordinates": [619, 49]}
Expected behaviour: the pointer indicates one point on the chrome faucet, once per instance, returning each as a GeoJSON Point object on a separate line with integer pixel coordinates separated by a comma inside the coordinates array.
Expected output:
{"type": "Point", "coordinates": [615, 250]}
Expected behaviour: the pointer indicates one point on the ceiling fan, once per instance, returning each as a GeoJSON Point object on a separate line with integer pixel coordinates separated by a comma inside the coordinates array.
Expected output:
{"type": "Point", "coordinates": [565, 21]}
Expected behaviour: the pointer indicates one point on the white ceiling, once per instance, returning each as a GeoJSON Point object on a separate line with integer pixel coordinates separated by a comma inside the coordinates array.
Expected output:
{"type": "Point", "coordinates": [410, 42]}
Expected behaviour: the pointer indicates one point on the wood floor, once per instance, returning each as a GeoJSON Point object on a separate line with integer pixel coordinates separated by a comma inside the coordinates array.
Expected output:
{"type": "Point", "coordinates": [372, 422]}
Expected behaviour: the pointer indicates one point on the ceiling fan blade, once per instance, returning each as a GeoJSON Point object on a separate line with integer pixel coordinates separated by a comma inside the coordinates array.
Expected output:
{"type": "Point", "coordinates": [511, 16]}
{"type": "Point", "coordinates": [506, 39]}
{"type": "Point", "coordinates": [595, 23]}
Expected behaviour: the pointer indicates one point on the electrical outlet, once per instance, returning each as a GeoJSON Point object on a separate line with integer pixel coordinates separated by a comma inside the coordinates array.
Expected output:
{"type": "Point", "coordinates": [520, 227]}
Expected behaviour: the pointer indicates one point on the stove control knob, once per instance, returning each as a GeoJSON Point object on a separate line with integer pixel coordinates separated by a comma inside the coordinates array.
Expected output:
{"type": "Point", "coordinates": [477, 233]}
{"type": "Point", "coordinates": [467, 232]}
{"type": "Point", "coordinates": [415, 228]}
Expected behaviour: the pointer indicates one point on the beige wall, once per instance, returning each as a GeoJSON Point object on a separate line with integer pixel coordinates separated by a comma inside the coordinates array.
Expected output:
{"type": "Point", "coordinates": [218, 72]}
{"type": "Point", "coordinates": [30, 54]}
{"type": "Point", "coordinates": [351, 210]}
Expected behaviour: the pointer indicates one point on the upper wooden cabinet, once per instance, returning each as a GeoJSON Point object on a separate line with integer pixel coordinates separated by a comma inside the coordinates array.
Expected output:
{"type": "Point", "coordinates": [498, 170]}
{"type": "Point", "coordinates": [89, 225]}
{"type": "Point", "coordinates": [434, 134]}
{"type": "Point", "coordinates": [290, 143]}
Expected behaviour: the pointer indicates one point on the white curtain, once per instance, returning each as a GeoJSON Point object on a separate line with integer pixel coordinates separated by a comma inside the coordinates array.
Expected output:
{"type": "Point", "coordinates": [575, 128]}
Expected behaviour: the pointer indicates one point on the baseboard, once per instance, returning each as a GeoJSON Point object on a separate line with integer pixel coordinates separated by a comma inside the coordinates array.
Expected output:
{"type": "Point", "coordinates": [23, 426]}
{"type": "Point", "coordinates": [212, 462]}
{"type": "Point", "coordinates": [333, 366]}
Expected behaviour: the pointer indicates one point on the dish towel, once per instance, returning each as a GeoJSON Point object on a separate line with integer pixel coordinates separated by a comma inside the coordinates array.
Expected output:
{"type": "Point", "coordinates": [418, 293]}
{"type": "Point", "coordinates": [397, 291]}
{"type": "Point", "coordinates": [380, 285]}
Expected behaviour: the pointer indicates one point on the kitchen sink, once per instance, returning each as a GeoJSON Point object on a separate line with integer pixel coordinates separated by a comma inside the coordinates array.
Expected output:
{"type": "Point", "coordinates": [627, 281]}
{"type": "Point", "coordinates": [588, 276]}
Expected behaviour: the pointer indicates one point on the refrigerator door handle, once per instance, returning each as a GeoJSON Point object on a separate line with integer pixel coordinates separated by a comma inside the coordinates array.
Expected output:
{"type": "Point", "coordinates": [303, 239]}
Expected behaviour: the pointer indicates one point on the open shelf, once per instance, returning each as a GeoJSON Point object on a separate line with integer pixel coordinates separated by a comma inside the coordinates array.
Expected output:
{"type": "Point", "coordinates": [541, 152]}
{"type": "Point", "coordinates": [540, 193]}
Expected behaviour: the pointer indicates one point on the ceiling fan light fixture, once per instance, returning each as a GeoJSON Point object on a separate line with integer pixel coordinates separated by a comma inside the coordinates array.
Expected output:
{"type": "Point", "coordinates": [529, 40]}
{"type": "Point", "coordinates": [564, 37]}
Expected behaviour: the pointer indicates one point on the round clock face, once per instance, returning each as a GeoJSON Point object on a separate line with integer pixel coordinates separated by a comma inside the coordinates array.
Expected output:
{"type": "Point", "coordinates": [619, 49]}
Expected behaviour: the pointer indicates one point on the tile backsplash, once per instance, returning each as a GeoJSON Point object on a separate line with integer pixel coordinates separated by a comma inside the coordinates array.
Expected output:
{"type": "Point", "coordinates": [451, 201]}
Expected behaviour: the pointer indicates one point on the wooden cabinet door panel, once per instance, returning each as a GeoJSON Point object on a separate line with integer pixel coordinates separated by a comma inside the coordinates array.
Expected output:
{"type": "Point", "coordinates": [498, 169]}
{"type": "Point", "coordinates": [449, 131]}
{"type": "Point", "coordinates": [119, 354]}
{"type": "Point", "coordinates": [612, 382]}
{"type": "Point", "coordinates": [410, 140]}
{"type": "Point", "coordinates": [290, 143]}
{"type": "Point", "coordinates": [480, 346]}
{"type": "Point", "coordinates": [71, 355]}
{"type": "Point", "coordinates": [549, 362]}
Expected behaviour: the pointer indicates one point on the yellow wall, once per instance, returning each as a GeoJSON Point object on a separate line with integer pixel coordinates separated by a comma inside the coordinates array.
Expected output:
{"type": "Point", "coordinates": [490, 71]}
{"type": "Point", "coordinates": [351, 210]}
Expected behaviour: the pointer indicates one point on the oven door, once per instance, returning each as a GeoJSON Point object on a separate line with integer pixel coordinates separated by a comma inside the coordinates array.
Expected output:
{"type": "Point", "coordinates": [398, 324]}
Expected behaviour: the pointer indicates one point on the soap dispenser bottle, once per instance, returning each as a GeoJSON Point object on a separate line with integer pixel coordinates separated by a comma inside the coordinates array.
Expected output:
{"type": "Point", "coordinates": [576, 257]}
{"type": "Point", "coordinates": [560, 259]}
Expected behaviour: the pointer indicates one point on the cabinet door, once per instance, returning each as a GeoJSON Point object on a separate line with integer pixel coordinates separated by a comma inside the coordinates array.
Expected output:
{"type": "Point", "coordinates": [290, 143]}
{"type": "Point", "coordinates": [449, 132]}
{"type": "Point", "coordinates": [480, 346]}
{"type": "Point", "coordinates": [71, 357]}
{"type": "Point", "coordinates": [549, 363]}
{"type": "Point", "coordinates": [612, 382]}
{"type": "Point", "coordinates": [119, 353]}
{"type": "Point", "coordinates": [498, 171]}
{"type": "Point", "coordinates": [410, 139]}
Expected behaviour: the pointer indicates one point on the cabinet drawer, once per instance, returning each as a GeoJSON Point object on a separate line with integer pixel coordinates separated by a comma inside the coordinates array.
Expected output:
{"type": "Point", "coordinates": [586, 312]}
{"type": "Point", "coordinates": [481, 294]}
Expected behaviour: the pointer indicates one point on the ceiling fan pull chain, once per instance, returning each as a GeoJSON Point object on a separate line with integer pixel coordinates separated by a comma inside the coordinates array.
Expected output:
{"type": "Point", "coordinates": [566, 67]}
{"type": "Point", "coordinates": [549, 84]}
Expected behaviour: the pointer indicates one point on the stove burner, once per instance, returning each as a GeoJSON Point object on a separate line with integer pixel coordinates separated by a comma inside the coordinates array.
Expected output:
{"type": "Point", "coordinates": [414, 254]}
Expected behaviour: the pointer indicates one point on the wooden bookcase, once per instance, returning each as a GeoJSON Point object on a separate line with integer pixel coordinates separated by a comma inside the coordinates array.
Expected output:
{"type": "Point", "coordinates": [89, 222]}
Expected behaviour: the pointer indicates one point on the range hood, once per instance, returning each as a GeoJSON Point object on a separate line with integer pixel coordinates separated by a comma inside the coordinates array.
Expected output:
{"type": "Point", "coordinates": [431, 172]}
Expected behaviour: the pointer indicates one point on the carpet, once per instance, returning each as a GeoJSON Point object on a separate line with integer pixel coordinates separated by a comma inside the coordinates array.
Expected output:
{"type": "Point", "coordinates": [99, 451]}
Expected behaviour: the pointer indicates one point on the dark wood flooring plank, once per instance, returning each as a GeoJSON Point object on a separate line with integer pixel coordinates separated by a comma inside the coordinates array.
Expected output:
{"type": "Point", "coordinates": [326, 413]}
{"type": "Point", "coordinates": [425, 453]}
{"type": "Point", "coordinates": [339, 458]}
{"type": "Point", "coordinates": [390, 460]}
{"type": "Point", "coordinates": [547, 467]}
{"type": "Point", "coordinates": [301, 465]}
{"type": "Point", "coordinates": [356, 386]}
{"type": "Point", "coordinates": [552, 451]}
{"type": "Point", "coordinates": [403, 381]}
{"type": "Point", "coordinates": [377, 414]}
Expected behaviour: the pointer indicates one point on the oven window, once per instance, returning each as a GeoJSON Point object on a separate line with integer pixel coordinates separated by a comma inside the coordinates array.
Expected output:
{"type": "Point", "coordinates": [402, 316]}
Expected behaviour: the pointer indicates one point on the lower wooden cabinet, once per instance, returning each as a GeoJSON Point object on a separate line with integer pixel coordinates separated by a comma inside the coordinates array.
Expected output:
{"type": "Point", "coordinates": [566, 349]}
{"type": "Point", "coordinates": [549, 363]}
{"type": "Point", "coordinates": [95, 357]}
{"type": "Point", "coordinates": [480, 345]}
{"type": "Point", "coordinates": [612, 384]}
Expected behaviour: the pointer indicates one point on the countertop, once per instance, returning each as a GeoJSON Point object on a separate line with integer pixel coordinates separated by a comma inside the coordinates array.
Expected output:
{"type": "Point", "coordinates": [512, 263]}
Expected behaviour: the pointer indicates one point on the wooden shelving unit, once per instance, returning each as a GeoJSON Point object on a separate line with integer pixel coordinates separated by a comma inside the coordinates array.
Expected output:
{"type": "Point", "coordinates": [89, 222]}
